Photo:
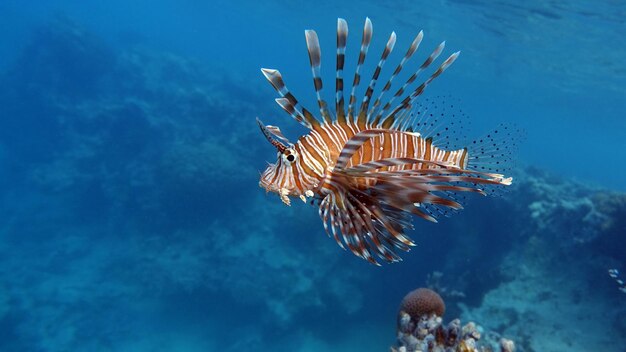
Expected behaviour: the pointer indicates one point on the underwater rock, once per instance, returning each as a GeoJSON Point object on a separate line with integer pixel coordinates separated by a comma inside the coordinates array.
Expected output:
{"type": "Point", "coordinates": [427, 333]}
{"type": "Point", "coordinates": [570, 212]}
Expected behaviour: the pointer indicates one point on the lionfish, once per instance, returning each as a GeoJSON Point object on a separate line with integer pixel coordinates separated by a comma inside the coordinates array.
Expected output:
{"type": "Point", "coordinates": [372, 166]}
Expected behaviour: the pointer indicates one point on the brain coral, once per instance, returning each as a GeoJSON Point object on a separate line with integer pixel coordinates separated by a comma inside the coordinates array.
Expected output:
{"type": "Point", "coordinates": [422, 301]}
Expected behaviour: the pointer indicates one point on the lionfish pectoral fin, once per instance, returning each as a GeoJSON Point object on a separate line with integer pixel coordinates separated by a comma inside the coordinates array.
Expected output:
{"type": "Point", "coordinates": [345, 230]}
{"type": "Point", "coordinates": [359, 221]}
{"type": "Point", "coordinates": [438, 188]}
{"type": "Point", "coordinates": [284, 196]}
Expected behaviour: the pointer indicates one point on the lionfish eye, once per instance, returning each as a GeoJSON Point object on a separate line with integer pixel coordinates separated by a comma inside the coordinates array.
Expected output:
{"type": "Point", "coordinates": [291, 158]}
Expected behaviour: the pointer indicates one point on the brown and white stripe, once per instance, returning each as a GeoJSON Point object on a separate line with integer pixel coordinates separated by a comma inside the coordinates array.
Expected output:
{"type": "Point", "coordinates": [365, 44]}
{"type": "Point", "coordinates": [433, 56]}
{"type": "Point", "coordinates": [370, 89]}
{"type": "Point", "coordinates": [412, 48]}
{"type": "Point", "coordinates": [342, 38]}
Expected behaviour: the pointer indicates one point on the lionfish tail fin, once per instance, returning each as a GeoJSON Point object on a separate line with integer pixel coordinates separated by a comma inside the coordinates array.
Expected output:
{"type": "Point", "coordinates": [494, 155]}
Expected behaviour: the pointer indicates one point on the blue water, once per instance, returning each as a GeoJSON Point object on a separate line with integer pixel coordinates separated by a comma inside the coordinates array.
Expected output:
{"type": "Point", "coordinates": [131, 217]}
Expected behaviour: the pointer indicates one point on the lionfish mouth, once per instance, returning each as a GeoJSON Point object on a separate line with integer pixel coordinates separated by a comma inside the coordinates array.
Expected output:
{"type": "Point", "coordinates": [283, 193]}
{"type": "Point", "coordinates": [267, 187]}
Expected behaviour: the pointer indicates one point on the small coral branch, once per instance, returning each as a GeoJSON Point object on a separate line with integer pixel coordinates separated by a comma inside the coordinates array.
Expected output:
{"type": "Point", "coordinates": [614, 273]}
{"type": "Point", "coordinates": [421, 328]}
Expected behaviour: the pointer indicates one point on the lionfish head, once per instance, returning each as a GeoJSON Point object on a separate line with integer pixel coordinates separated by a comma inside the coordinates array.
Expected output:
{"type": "Point", "coordinates": [279, 177]}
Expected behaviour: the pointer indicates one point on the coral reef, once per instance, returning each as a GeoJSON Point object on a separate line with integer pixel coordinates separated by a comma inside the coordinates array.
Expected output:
{"type": "Point", "coordinates": [421, 329]}
{"type": "Point", "coordinates": [422, 301]}
{"type": "Point", "coordinates": [565, 234]}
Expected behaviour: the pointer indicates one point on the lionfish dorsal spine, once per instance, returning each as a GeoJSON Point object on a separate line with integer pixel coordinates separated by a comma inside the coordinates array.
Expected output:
{"type": "Point", "coordinates": [365, 44]}
{"type": "Point", "coordinates": [315, 58]}
{"type": "Point", "coordinates": [400, 92]}
{"type": "Point", "coordinates": [288, 102]}
{"type": "Point", "coordinates": [391, 42]}
{"type": "Point", "coordinates": [410, 51]}
{"type": "Point", "coordinates": [405, 104]}
{"type": "Point", "coordinates": [342, 38]}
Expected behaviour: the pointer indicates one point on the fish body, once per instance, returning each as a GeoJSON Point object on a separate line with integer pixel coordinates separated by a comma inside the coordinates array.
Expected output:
{"type": "Point", "coordinates": [372, 166]}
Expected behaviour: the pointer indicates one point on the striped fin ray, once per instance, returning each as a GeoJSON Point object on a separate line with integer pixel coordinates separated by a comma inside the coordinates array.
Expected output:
{"type": "Point", "coordinates": [362, 233]}
{"type": "Point", "coordinates": [414, 45]}
{"type": "Point", "coordinates": [437, 211]}
{"type": "Point", "coordinates": [365, 43]}
{"type": "Point", "coordinates": [315, 57]}
{"type": "Point", "coordinates": [342, 38]}
{"type": "Point", "coordinates": [348, 228]}
{"type": "Point", "coordinates": [426, 197]}
{"type": "Point", "coordinates": [379, 237]}
{"type": "Point", "coordinates": [370, 89]}
{"type": "Point", "coordinates": [464, 177]}
{"type": "Point", "coordinates": [433, 56]}
{"type": "Point", "coordinates": [394, 222]}
{"type": "Point", "coordinates": [406, 103]}
{"type": "Point", "coordinates": [444, 172]}
{"type": "Point", "coordinates": [288, 102]}
{"type": "Point", "coordinates": [438, 192]}
{"type": "Point", "coordinates": [365, 226]}
{"type": "Point", "coordinates": [328, 216]}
